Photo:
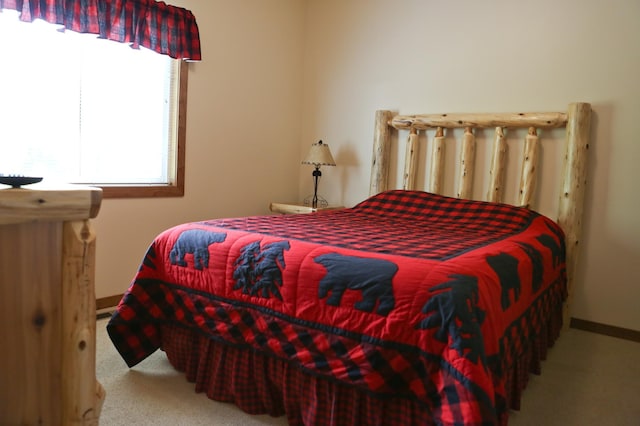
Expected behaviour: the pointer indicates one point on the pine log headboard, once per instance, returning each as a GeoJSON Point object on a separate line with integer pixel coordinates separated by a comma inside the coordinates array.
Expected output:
{"type": "Point", "coordinates": [570, 188]}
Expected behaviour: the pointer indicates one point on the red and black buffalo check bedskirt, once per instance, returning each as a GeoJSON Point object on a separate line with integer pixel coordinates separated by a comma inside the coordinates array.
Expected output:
{"type": "Point", "coordinates": [441, 303]}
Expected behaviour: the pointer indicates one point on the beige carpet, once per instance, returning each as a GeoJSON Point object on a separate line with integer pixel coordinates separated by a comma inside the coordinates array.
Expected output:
{"type": "Point", "coordinates": [587, 380]}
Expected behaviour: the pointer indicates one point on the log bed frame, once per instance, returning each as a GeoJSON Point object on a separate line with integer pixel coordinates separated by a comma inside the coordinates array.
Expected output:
{"type": "Point", "coordinates": [571, 189]}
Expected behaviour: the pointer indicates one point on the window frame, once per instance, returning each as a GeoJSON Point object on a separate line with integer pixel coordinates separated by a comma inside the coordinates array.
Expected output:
{"type": "Point", "coordinates": [176, 186]}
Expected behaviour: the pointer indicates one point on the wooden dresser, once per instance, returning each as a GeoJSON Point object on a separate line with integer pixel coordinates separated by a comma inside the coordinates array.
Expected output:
{"type": "Point", "coordinates": [47, 306]}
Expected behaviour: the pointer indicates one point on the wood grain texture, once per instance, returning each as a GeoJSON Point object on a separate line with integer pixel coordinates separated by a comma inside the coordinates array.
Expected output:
{"type": "Point", "coordinates": [43, 203]}
{"type": "Point", "coordinates": [381, 152]}
{"type": "Point", "coordinates": [411, 161]}
{"type": "Point", "coordinates": [47, 307]}
{"type": "Point", "coordinates": [82, 394]}
{"type": "Point", "coordinates": [30, 327]}
{"type": "Point", "coordinates": [467, 164]}
{"type": "Point", "coordinates": [543, 120]}
{"type": "Point", "coordinates": [528, 170]}
{"type": "Point", "coordinates": [498, 166]}
{"type": "Point", "coordinates": [436, 174]}
{"type": "Point", "coordinates": [574, 180]}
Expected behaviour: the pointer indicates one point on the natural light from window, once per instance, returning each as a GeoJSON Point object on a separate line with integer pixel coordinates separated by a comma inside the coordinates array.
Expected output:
{"type": "Point", "coordinates": [74, 108]}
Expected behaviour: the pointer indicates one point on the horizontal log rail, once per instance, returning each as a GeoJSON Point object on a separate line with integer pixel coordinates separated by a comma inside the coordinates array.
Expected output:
{"type": "Point", "coordinates": [543, 120]}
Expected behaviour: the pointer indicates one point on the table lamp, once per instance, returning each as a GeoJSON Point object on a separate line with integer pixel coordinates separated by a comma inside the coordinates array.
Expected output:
{"type": "Point", "coordinates": [319, 155]}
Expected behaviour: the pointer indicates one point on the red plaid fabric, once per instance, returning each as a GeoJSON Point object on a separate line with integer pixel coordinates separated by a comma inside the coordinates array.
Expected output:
{"type": "Point", "coordinates": [463, 291]}
{"type": "Point", "coordinates": [433, 226]}
{"type": "Point", "coordinates": [260, 384]}
{"type": "Point", "coordinates": [165, 29]}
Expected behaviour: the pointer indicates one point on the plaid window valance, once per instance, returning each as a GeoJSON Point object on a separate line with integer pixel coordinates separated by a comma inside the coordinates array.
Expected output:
{"type": "Point", "coordinates": [166, 29]}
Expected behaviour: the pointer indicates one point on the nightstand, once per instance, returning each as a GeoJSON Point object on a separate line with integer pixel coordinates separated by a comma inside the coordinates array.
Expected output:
{"type": "Point", "coordinates": [293, 208]}
{"type": "Point", "coordinates": [48, 306]}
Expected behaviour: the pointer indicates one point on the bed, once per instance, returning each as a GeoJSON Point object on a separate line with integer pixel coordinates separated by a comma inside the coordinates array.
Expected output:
{"type": "Point", "coordinates": [412, 307]}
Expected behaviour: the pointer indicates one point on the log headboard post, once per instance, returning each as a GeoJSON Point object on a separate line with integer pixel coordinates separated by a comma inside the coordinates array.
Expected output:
{"type": "Point", "coordinates": [381, 148]}
{"type": "Point", "coordinates": [573, 189]}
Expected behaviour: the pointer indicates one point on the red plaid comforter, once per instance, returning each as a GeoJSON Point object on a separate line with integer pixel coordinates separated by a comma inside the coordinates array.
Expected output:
{"type": "Point", "coordinates": [408, 293]}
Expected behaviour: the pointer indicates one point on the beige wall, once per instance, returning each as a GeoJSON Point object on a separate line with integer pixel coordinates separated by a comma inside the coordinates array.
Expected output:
{"type": "Point", "coordinates": [418, 56]}
{"type": "Point", "coordinates": [279, 74]}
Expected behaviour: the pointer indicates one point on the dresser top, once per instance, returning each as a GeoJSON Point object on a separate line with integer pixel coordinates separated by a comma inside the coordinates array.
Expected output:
{"type": "Point", "coordinates": [40, 202]}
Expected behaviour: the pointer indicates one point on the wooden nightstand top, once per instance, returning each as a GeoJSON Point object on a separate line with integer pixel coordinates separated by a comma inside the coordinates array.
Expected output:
{"type": "Point", "coordinates": [293, 208]}
{"type": "Point", "coordinates": [40, 202]}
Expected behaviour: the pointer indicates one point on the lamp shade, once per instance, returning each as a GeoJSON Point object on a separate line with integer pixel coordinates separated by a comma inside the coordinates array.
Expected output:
{"type": "Point", "coordinates": [319, 155]}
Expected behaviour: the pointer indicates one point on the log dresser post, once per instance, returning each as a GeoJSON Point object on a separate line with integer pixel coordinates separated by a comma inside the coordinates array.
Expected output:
{"type": "Point", "coordinates": [47, 306]}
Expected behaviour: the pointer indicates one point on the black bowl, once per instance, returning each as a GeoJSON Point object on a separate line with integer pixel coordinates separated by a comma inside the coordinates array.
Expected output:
{"type": "Point", "coordinates": [18, 181]}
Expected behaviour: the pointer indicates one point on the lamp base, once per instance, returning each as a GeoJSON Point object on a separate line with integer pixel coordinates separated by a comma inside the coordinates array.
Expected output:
{"type": "Point", "coordinates": [321, 203]}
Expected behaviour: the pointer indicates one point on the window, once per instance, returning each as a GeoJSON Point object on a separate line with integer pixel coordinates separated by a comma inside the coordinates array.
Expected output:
{"type": "Point", "coordinates": [75, 108]}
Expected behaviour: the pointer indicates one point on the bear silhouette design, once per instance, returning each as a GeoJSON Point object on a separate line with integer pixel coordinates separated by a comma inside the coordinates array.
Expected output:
{"type": "Point", "coordinates": [537, 265]}
{"type": "Point", "coordinates": [506, 267]}
{"type": "Point", "coordinates": [557, 250]}
{"type": "Point", "coordinates": [371, 276]}
{"type": "Point", "coordinates": [196, 242]}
